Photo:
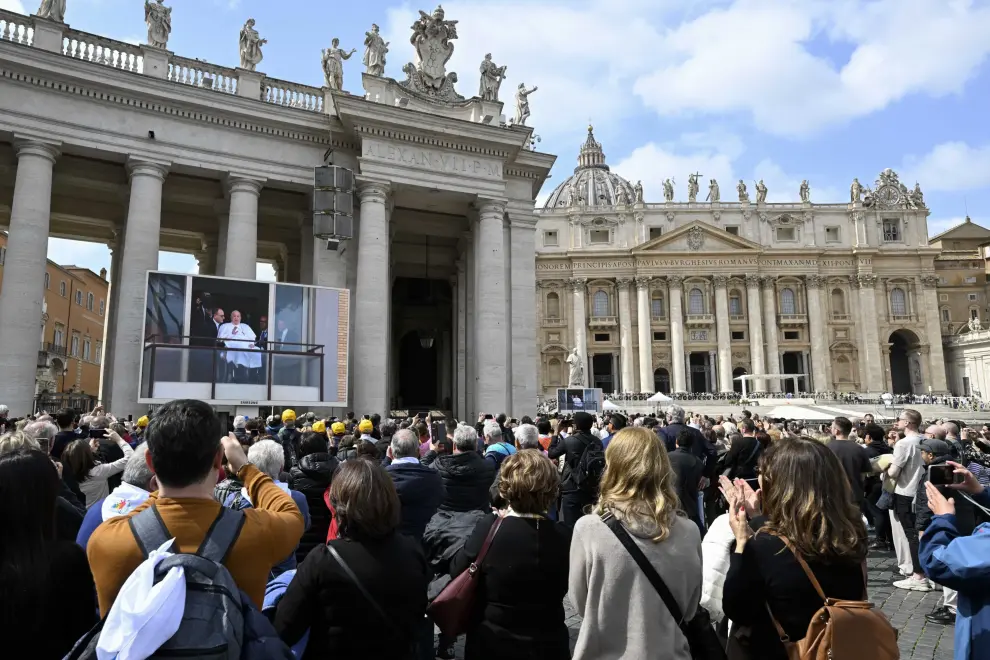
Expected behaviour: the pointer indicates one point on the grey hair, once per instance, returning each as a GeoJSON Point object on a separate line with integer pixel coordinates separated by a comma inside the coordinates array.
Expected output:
{"type": "Point", "coordinates": [465, 438]}
{"type": "Point", "coordinates": [11, 442]}
{"type": "Point", "coordinates": [86, 420]}
{"type": "Point", "coordinates": [492, 430]}
{"type": "Point", "coordinates": [676, 414]}
{"type": "Point", "coordinates": [405, 444]}
{"type": "Point", "coordinates": [136, 472]}
{"type": "Point", "coordinates": [4, 410]}
{"type": "Point", "coordinates": [528, 437]}
{"type": "Point", "coordinates": [100, 422]}
{"type": "Point", "coordinates": [268, 456]}
{"type": "Point", "coordinates": [41, 430]}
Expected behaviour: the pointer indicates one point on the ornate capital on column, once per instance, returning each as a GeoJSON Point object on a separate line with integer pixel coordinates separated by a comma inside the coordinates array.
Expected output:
{"type": "Point", "coordinates": [36, 147]}
{"type": "Point", "coordinates": [853, 282]}
{"type": "Point", "coordinates": [140, 167]}
{"type": "Point", "coordinates": [815, 281]}
{"type": "Point", "coordinates": [236, 183]}
{"type": "Point", "coordinates": [769, 281]}
{"type": "Point", "coordinates": [643, 283]}
{"type": "Point", "coordinates": [373, 191]}
{"type": "Point", "coordinates": [490, 208]}
{"type": "Point", "coordinates": [577, 284]}
{"type": "Point", "coordinates": [753, 280]}
{"type": "Point", "coordinates": [929, 281]}
{"type": "Point", "coordinates": [623, 281]}
{"type": "Point", "coordinates": [675, 280]}
{"type": "Point", "coordinates": [867, 280]}
{"type": "Point", "coordinates": [721, 281]}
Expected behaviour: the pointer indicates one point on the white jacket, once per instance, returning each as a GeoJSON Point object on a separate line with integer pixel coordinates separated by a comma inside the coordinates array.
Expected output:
{"type": "Point", "coordinates": [94, 487]}
{"type": "Point", "coordinates": [715, 550]}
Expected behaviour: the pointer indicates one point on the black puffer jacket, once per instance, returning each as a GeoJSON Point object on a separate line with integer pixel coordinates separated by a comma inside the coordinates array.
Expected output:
{"type": "Point", "coordinates": [311, 478]}
{"type": "Point", "coordinates": [466, 480]}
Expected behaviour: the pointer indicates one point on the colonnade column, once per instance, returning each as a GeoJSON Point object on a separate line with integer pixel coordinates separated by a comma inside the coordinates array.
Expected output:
{"type": "Point", "coordinates": [525, 356]}
{"type": "Point", "coordinates": [755, 331]}
{"type": "Point", "coordinates": [723, 333]}
{"type": "Point", "coordinates": [24, 273]}
{"type": "Point", "coordinates": [372, 299]}
{"type": "Point", "coordinates": [676, 293]}
{"type": "Point", "coordinates": [820, 362]}
{"type": "Point", "coordinates": [625, 336]}
{"type": "Point", "coordinates": [141, 243]}
{"type": "Point", "coordinates": [645, 336]}
{"type": "Point", "coordinates": [470, 324]}
{"type": "Point", "coordinates": [241, 250]}
{"type": "Point", "coordinates": [491, 329]}
{"type": "Point", "coordinates": [871, 349]}
{"type": "Point", "coordinates": [579, 324]}
{"type": "Point", "coordinates": [460, 329]}
{"type": "Point", "coordinates": [933, 328]}
{"type": "Point", "coordinates": [770, 324]}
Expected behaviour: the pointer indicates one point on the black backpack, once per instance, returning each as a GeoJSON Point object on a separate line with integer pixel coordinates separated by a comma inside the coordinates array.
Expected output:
{"type": "Point", "coordinates": [591, 466]}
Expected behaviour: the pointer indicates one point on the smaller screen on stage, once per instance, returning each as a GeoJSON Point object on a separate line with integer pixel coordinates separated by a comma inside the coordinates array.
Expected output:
{"type": "Point", "coordinates": [244, 342]}
{"type": "Point", "coordinates": [576, 400]}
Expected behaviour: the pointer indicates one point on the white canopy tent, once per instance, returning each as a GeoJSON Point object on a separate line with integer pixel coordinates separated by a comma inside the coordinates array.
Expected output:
{"type": "Point", "coordinates": [608, 405]}
{"type": "Point", "coordinates": [660, 397]}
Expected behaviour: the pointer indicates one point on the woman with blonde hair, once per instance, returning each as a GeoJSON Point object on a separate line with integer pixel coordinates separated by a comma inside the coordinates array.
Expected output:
{"type": "Point", "coordinates": [805, 512]}
{"type": "Point", "coordinates": [638, 505]}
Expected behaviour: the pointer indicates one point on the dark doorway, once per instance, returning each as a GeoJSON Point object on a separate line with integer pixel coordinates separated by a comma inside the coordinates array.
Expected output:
{"type": "Point", "coordinates": [792, 363]}
{"type": "Point", "coordinates": [417, 373]}
{"type": "Point", "coordinates": [900, 364]}
{"type": "Point", "coordinates": [737, 385]}
{"type": "Point", "coordinates": [601, 366]}
{"type": "Point", "coordinates": [700, 370]}
{"type": "Point", "coordinates": [661, 381]}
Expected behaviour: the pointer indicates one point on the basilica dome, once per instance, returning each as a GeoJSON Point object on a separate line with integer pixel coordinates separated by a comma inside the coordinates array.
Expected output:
{"type": "Point", "coordinates": [592, 183]}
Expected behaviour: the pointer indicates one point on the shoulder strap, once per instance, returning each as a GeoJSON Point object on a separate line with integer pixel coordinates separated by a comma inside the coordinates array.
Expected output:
{"type": "Point", "coordinates": [804, 566]}
{"type": "Point", "coordinates": [352, 576]}
{"type": "Point", "coordinates": [487, 544]}
{"type": "Point", "coordinates": [644, 564]}
{"type": "Point", "coordinates": [222, 535]}
{"type": "Point", "coordinates": [149, 530]}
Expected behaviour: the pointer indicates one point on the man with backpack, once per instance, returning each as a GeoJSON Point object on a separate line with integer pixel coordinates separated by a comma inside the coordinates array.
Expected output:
{"type": "Point", "coordinates": [584, 462]}
{"type": "Point", "coordinates": [185, 451]}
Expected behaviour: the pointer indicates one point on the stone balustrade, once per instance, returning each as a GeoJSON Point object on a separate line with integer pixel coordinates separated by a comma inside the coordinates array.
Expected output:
{"type": "Point", "coordinates": [101, 50]}
{"type": "Point", "coordinates": [292, 95]}
{"type": "Point", "coordinates": [16, 28]}
{"type": "Point", "coordinates": [198, 73]}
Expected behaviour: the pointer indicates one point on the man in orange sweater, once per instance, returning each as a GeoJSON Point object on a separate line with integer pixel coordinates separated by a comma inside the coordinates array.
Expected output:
{"type": "Point", "coordinates": [186, 451]}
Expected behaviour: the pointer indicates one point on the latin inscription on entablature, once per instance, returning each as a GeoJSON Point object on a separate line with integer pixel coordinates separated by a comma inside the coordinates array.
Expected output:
{"type": "Point", "coordinates": [431, 160]}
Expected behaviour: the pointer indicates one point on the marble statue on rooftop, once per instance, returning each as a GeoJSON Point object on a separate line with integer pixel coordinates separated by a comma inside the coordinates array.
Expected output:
{"type": "Point", "coordinates": [668, 190]}
{"type": "Point", "coordinates": [761, 192]}
{"type": "Point", "coordinates": [693, 187]}
{"type": "Point", "coordinates": [576, 376]}
{"type": "Point", "coordinates": [333, 64]}
{"type": "Point", "coordinates": [53, 10]}
{"type": "Point", "coordinates": [714, 196]}
{"type": "Point", "coordinates": [918, 197]}
{"type": "Point", "coordinates": [855, 191]}
{"type": "Point", "coordinates": [638, 189]}
{"type": "Point", "coordinates": [159, 20]}
{"type": "Point", "coordinates": [741, 189]}
{"type": "Point", "coordinates": [375, 49]}
{"type": "Point", "coordinates": [491, 79]}
{"type": "Point", "coordinates": [805, 192]}
{"type": "Point", "coordinates": [522, 104]}
{"type": "Point", "coordinates": [250, 46]}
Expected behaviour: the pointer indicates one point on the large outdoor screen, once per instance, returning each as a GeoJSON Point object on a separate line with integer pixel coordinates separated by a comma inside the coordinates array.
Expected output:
{"type": "Point", "coordinates": [244, 342]}
{"type": "Point", "coordinates": [571, 400]}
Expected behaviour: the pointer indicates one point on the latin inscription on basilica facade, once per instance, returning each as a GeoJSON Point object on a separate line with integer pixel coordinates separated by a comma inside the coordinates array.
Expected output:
{"type": "Point", "coordinates": [708, 262]}
{"type": "Point", "coordinates": [431, 160]}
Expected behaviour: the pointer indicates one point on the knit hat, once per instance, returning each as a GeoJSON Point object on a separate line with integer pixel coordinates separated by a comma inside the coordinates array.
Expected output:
{"type": "Point", "coordinates": [288, 415]}
{"type": "Point", "coordinates": [366, 426]}
{"type": "Point", "coordinates": [319, 426]}
{"type": "Point", "coordinates": [142, 422]}
{"type": "Point", "coordinates": [240, 422]}
{"type": "Point", "coordinates": [338, 428]}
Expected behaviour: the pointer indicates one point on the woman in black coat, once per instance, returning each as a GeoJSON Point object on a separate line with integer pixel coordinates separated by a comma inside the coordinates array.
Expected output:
{"type": "Point", "coordinates": [311, 477]}
{"type": "Point", "coordinates": [742, 458]}
{"type": "Point", "coordinates": [520, 611]}
{"type": "Point", "coordinates": [344, 623]}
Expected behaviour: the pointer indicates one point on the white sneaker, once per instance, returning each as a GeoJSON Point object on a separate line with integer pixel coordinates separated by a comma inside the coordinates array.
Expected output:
{"type": "Point", "coordinates": [913, 584]}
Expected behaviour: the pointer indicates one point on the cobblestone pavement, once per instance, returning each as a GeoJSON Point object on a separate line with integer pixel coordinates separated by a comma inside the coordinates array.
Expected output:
{"type": "Point", "coordinates": [917, 639]}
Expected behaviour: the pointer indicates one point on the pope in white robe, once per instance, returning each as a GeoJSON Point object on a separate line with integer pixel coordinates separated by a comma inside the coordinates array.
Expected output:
{"type": "Point", "coordinates": [239, 335]}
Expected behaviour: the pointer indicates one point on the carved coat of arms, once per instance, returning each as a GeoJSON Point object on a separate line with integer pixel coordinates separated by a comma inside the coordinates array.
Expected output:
{"type": "Point", "coordinates": [696, 238]}
{"type": "Point", "coordinates": [431, 38]}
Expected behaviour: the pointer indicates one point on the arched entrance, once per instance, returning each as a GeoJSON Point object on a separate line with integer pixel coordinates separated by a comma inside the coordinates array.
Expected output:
{"type": "Point", "coordinates": [905, 365]}
{"type": "Point", "coordinates": [661, 380]}
{"type": "Point", "coordinates": [417, 372]}
{"type": "Point", "coordinates": [737, 384]}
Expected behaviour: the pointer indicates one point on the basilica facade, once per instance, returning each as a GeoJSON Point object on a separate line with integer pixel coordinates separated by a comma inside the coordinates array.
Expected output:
{"type": "Point", "coordinates": [689, 296]}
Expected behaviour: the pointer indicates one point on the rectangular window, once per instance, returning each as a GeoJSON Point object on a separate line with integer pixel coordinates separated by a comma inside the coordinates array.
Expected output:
{"type": "Point", "coordinates": [48, 281]}
{"type": "Point", "coordinates": [598, 236]}
{"type": "Point", "coordinates": [946, 316]}
{"type": "Point", "coordinates": [89, 301]}
{"type": "Point", "coordinates": [59, 338]}
{"type": "Point", "coordinates": [3, 255]}
{"type": "Point", "coordinates": [786, 234]}
{"type": "Point", "coordinates": [732, 229]}
{"type": "Point", "coordinates": [738, 335]}
{"type": "Point", "coordinates": [79, 298]}
{"type": "Point", "coordinates": [891, 230]}
{"type": "Point", "coordinates": [699, 335]}
{"type": "Point", "coordinates": [98, 357]}
{"type": "Point", "coordinates": [792, 335]}
{"type": "Point", "coordinates": [550, 238]}
{"type": "Point", "coordinates": [74, 349]}
{"type": "Point", "coordinates": [61, 289]}
{"type": "Point", "coordinates": [659, 336]}
{"type": "Point", "coordinates": [603, 337]}
{"type": "Point", "coordinates": [972, 297]}
{"type": "Point", "coordinates": [974, 313]}
{"type": "Point", "coordinates": [970, 280]}
{"type": "Point", "coordinates": [87, 347]}
{"type": "Point", "coordinates": [943, 297]}
{"type": "Point", "coordinates": [103, 306]}
{"type": "Point", "coordinates": [656, 232]}
{"type": "Point", "coordinates": [832, 235]}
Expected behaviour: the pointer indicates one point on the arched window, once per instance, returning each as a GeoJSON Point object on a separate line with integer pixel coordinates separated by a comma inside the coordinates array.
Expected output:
{"type": "Point", "coordinates": [735, 303]}
{"type": "Point", "coordinates": [553, 306]}
{"type": "Point", "coordinates": [556, 373]}
{"type": "Point", "coordinates": [696, 302]}
{"type": "Point", "coordinates": [787, 305]}
{"type": "Point", "coordinates": [599, 304]}
{"type": "Point", "coordinates": [657, 310]}
{"type": "Point", "coordinates": [838, 302]}
{"type": "Point", "coordinates": [661, 380]}
{"type": "Point", "coordinates": [898, 302]}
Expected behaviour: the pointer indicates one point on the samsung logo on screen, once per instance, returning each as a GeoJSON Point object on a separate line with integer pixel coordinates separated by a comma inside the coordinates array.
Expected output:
{"type": "Point", "coordinates": [249, 403]}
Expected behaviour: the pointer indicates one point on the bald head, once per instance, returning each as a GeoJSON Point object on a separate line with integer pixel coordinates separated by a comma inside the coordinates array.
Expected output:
{"type": "Point", "coordinates": [951, 430]}
{"type": "Point", "coordinates": [935, 431]}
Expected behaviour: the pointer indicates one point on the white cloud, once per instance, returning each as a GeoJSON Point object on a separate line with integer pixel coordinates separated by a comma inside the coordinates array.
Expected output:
{"type": "Point", "coordinates": [938, 225]}
{"type": "Point", "coordinates": [950, 166]}
{"type": "Point", "coordinates": [84, 254]}
{"type": "Point", "coordinates": [13, 5]}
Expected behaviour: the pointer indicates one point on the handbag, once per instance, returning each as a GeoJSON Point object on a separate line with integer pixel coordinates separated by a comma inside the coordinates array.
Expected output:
{"type": "Point", "coordinates": [886, 501]}
{"type": "Point", "coordinates": [703, 641]}
{"type": "Point", "coordinates": [453, 608]}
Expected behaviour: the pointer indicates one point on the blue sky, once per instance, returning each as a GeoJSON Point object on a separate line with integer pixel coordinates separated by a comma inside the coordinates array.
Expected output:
{"type": "Point", "coordinates": [784, 90]}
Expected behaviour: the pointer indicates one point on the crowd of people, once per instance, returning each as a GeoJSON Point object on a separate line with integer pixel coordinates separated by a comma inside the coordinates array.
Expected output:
{"type": "Point", "coordinates": [300, 536]}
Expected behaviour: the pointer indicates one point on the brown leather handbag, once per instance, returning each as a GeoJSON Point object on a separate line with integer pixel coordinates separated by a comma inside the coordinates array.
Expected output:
{"type": "Point", "coordinates": [452, 609]}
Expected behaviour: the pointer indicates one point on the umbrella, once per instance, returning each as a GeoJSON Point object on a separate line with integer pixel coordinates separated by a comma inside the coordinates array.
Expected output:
{"type": "Point", "coordinates": [659, 397]}
{"type": "Point", "coordinates": [608, 405]}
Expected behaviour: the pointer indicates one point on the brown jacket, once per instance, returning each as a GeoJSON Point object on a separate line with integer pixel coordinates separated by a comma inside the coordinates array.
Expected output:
{"type": "Point", "coordinates": [271, 532]}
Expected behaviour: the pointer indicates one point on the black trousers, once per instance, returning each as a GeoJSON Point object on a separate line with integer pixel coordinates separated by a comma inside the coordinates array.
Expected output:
{"type": "Point", "coordinates": [881, 518]}
{"type": "Point", "coordinates": [904, 510]}
{"type": "Point", "coordinates": [572, 506]}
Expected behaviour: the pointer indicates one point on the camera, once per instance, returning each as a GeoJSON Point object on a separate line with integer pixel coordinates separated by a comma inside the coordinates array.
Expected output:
{"type": "Point", "coordinates": [333, 244]}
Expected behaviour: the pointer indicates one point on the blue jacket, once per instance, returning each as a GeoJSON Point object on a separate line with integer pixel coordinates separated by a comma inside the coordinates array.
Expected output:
{"type": "Point", "coordinates": [962, 563]}
{"type": "Point", "coordinates": [420, 491]}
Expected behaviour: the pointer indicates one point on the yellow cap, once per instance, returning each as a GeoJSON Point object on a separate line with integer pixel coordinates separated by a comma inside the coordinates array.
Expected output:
{"type": "Point", "coordinates": [366, 426]}
{"type": "Point", "coordinates": [288, 415]}
{"type": "Point", "coordinates": [142, 422]}
{"type": "Point", "coordinates": [338, 428]}
{"type": "Point", "coordinates": [319, 426]}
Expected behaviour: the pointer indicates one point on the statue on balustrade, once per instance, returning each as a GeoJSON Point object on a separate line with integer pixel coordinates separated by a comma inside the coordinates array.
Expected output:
{"type": "Point", "coordinates": [53, 10]}
{"type": "Point", "coordinates": [333, 64]}
{"type": "Point", "coordinates": [375, 49]}
{"type": "Point", "coordinates": [668, 190]}
{"type": "Point", "coordinates": [251, 43]}
{"type": "Point", "coordinates": [693, 187]}
{"type": "Point", "coordinates": [805, 192]}
{"type": "Point", "coordinates": [522, 104]}
{"type": "Point", "coordinates": [855, 191]}
{"type": "Point", "coordinates": [576, 378]}
{"type": "Point", "coordinates": [741, 189]}
{"type": "Point", "coordinates": [761, 192]}
{"type": "Point", "coordinates": [159, 20]}
{"type": "Point", "coordinates": [638, 190]}
{"type": "Point", "coordinates": [714, 196]}
{"type": "Point", "coordinates": [491, 79]}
